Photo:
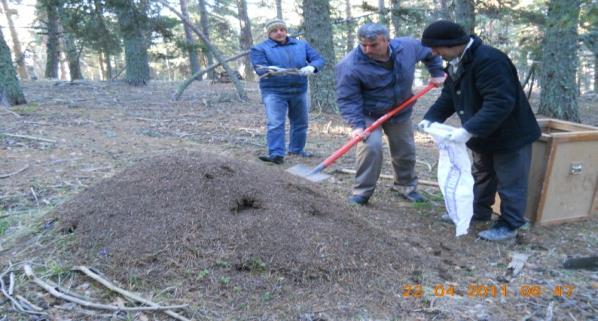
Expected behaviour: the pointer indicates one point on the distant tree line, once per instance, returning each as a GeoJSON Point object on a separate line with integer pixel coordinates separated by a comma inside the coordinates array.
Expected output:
{"type": "Point", "coordinates": [554, 43]}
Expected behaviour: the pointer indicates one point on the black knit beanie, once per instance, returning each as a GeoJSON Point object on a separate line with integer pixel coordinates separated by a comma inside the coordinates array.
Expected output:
{"type": "Point", "coordinates": [444, 33]}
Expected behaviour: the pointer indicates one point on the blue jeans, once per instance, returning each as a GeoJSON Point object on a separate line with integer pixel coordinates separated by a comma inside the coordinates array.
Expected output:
{"type": "Point", "coordinates": [277, 107]}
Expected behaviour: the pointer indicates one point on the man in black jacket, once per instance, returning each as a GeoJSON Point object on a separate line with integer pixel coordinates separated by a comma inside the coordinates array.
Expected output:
{"type": "Point", "coordinates": [498, 124]}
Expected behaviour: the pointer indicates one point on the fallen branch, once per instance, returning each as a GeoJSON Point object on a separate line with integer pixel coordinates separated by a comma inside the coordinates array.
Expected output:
{"type": "Point", "coordinates": [177, 95]}
{"type": "Point", "coordinates": [421, 181]}
{"type": "Point", "coordinates": [14, 173]}
{"type": "Point", "coordinates": [53, 291]}
{"type": "Point", "coordinates": [29, 304]}
{"type": "Point", "coordinates": [29, 137]}
{"type": "Point", "coordinates": [11, 112]}
{"type": "Point", "coordinates": [215, 51]}
{"type": "Point", "coordinates": [15, 303]}
{"type": "Point", "coordinates": [123, 292]}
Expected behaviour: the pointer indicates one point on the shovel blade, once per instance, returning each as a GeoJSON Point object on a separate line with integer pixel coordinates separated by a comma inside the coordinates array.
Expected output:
{"type": "Point", "coordinates": [308, 173]}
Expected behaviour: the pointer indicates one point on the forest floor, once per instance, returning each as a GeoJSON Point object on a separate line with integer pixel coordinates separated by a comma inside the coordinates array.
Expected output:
{"type": "Point", "coordinates": [102, 174]}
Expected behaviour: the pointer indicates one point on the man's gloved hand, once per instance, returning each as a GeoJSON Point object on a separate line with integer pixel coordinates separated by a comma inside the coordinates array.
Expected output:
{"type": "Point", "coordinates": [275, 68]}
{"type": "Point", "coordinates": [359, 132]}
{"type": "Point", "coordinates": [459, 135]}
{"type": "Point", "coordinates": [307, 70]}
{"type": "Point", "coordinates": [438, 81]}
{"type": "Point", "coordinates": [422, 125]}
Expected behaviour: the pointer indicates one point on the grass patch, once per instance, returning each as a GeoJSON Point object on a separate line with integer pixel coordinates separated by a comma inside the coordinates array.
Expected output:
{"type": "Point", "coordinates": [26, 109]}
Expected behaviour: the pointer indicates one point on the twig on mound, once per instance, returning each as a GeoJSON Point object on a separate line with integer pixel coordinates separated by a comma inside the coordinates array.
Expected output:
{"type": "Point", "coordinates": [53, 291]}
{"type": "Point", "coordinates": [420, 181]}
{"type": "Point", "coordinates": [14, 173]}
{"type": "Point", "coordinates": [41, 139]}
{"type": "Point", "coordinates": [85, 270]}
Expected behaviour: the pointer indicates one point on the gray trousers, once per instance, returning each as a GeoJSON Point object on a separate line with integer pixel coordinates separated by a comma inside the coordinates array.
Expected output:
{"type": "Point", "coordinates": [402, 153]}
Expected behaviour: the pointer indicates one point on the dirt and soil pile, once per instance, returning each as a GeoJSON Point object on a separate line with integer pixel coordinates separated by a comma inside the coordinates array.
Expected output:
{"type": "Point", "coordinates": [187, 212]}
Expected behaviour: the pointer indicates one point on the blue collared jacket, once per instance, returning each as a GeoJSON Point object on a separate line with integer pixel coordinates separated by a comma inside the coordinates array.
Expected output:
{"type": "Point", "coordinates": [295, 53]}
{"type": "Point", "coordinates": [365, 87]}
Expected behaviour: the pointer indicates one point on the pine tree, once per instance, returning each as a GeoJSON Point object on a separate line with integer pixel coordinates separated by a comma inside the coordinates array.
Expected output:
{"type": "Point", "coordinates": [10, 89]}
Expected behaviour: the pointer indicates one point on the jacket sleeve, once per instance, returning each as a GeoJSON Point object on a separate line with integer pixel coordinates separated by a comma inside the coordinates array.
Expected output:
{"type": "Point", "coordinates": [258, 57]}
{"type": "Point", "coordinates": [495, 85]}
{"type": "Point", "coordinates": [433, 63]}
{"type": "Point", "coordinates": [442, 109]}
{"type": "Point", "coordinates": [348, 97]}
{"type": "Point", "coordinates": [314, 58]}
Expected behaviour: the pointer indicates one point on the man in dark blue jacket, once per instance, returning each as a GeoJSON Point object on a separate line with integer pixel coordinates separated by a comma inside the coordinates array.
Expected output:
{"type": "Point", "coordinates": [284, 92]}
{"type": "Point", "coordinates": [371, 80]}
{"type": "Point", "coordinates": [498, 124]}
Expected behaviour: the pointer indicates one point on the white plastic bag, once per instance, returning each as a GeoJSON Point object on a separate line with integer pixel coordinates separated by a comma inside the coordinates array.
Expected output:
{"type": "Point", "coordinates": [454, 177]}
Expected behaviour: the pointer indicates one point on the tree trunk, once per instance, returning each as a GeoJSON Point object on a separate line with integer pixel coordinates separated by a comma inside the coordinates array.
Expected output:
{"type": "Point", "coordinates": [52, 44]}
{"type": "Point", "coordinates": [596, 72]}
{"type": "Point", "coordinates": [279, 9]}
{"type": "Point", "coordinates": [16, 44]}
{"type": "Point", "coordinates": [105, 41]}
{"type": "Point", "coordinates": [10, 89]}
{"type": "Point", "coordinates": [72, 56]}
{"type": "Point", "coordinates": [442, 10]}
{"type": "Point", "coordinates": [132, 25]}
{"type": "Point", "coordinates": [246, 39]}
{"type": "Point", "coordinates": [318, 32]}
{"type": "Point", "coordinates": [101, 65]}
{"type": "Point", "coordinates": [189, 42]}
{"type": "Point", "coordinates": [395, 16]}
{"type": "Point", "coordinates": [382, 12]}
{"type": "Point", "coordinates": [205, 29]}
{"type": "Point", "coordinates": [350, 26]}
{"type": "Point", "coordinates": [558, 97]}
{"type": "Point", "coordinates": [465, 14]}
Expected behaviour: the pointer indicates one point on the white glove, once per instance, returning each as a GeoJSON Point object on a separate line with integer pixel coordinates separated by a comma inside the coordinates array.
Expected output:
{"type": "Point", "coordinates": [438, 81]}
{"type": "Point", "coordinates": [275, 68]}
{"type": "Point", "coordinates": [459, 135]}
{"type": "Point", "coordinates": [422, 125]}
{"type": "Point", "coordinates": [307, 70]}
{"type": "Point", "coordinates": [359, 132]}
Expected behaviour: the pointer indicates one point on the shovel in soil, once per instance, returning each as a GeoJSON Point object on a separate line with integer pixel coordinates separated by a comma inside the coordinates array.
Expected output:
{"type": "Point", "coordinates": [315, 174]}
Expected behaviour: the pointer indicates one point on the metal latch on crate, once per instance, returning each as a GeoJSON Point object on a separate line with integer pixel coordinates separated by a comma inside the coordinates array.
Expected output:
{"type": "Point", "coordinates": [575, 168]}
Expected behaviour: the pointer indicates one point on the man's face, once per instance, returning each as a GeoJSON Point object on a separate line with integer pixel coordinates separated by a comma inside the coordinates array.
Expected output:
{"type": "Point", "coordinates": [375, 49]}
{"type": "Point", "coordinates": [278, 34]}
{"type": "Point", "coordinates": [447, 53]}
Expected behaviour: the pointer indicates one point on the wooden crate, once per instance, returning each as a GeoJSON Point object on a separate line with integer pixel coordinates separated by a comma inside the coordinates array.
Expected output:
{"type": "Point", "coordinates": [563, 178]}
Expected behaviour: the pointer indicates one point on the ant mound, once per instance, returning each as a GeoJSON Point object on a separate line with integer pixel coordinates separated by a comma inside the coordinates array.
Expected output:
{"type": "Point", "coordinates": [184, 213]}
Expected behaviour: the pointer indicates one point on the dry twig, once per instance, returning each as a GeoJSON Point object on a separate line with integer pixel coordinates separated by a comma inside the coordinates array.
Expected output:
{"type": "Point", "coordinates": [54, 291]}
{"type": "Point", "coordinates": [125, 293]}
{"type": "Point", "coordinates": [41, 139]}
{"type": "Point", "coordinates": [421, 181]}
{"type": "Point", "coordinates": [14, 173]}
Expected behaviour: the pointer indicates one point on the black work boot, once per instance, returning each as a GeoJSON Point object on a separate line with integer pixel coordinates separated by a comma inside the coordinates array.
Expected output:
{"type": "Point", "coordinates": [278, 160]}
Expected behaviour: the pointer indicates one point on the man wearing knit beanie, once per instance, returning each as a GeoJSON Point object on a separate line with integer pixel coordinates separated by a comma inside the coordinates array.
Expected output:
{"type": "Point", "coordinates": [498, 125]}
{"type": "Point", "coordinates": [274, 24]}
{"type": "Point", "coordinates": [284, 92]}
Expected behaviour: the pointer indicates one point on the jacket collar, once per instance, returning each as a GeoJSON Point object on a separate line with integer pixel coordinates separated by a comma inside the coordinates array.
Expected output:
{"type": "Point", "coordinates": [465, 60]}
{"type": "Point", "coordinates": [468, 57]}
{"type": "Point", "coordinates": [271, 43]}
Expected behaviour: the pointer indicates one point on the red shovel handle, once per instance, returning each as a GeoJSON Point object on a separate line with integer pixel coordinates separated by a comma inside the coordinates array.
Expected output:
{"type": "Point", "coordinates": [343, 150]}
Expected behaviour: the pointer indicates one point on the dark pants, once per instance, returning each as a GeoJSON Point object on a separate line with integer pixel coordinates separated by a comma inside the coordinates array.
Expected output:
{"type": "Point", "coordinates": [505, 173]}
